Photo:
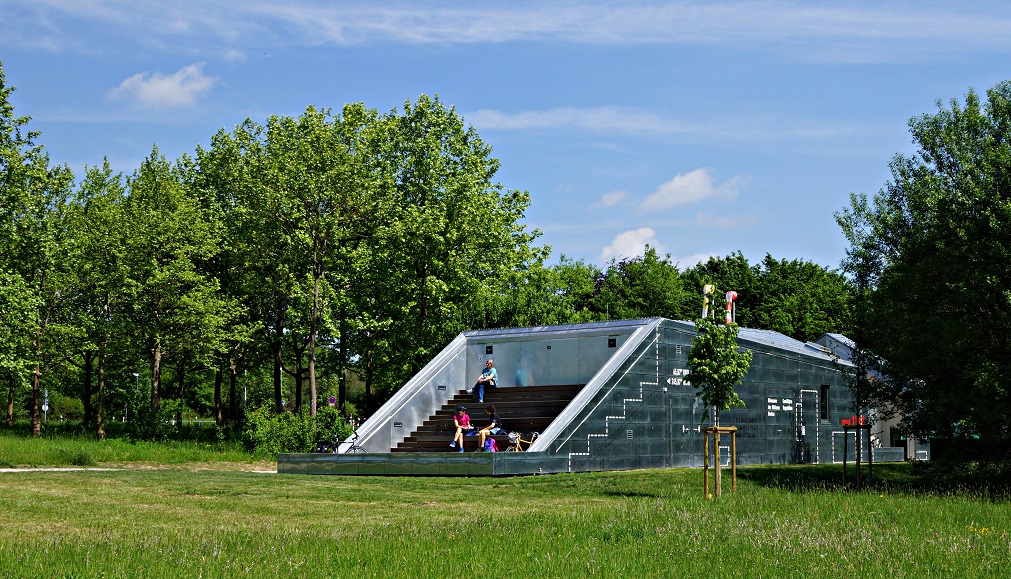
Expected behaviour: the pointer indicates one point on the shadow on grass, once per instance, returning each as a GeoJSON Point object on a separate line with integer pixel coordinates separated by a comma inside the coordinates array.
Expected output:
{"type": "Point", "coordinates": [632, 494]}
{"type": "Point", "coordinates": [991, 481]}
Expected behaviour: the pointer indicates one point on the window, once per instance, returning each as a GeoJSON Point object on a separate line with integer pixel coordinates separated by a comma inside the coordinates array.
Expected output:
{"type": "Point", "coordinates": [824, 402]}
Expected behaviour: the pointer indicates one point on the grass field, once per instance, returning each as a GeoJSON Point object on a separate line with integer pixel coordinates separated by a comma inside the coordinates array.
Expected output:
{"type": "Point", "coordinates": [783, 522]}
{"type": "Point", "coordinates": [17, 450]}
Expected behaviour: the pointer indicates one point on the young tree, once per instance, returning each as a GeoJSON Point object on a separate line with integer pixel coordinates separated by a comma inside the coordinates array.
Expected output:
{"type": "Point", "coordinates": [716, 366]}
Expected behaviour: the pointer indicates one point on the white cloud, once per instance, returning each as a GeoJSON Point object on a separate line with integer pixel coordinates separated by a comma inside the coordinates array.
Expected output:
{"type": "Point", "coordinates": [610, 199]}
{"type": "Point", "coordinates": [610, 120]}
{"type": "Point", "coordinates": [691, 187]}
{"type": "Point", "coordinates": [630, 244]}
{"type": "Point", "coordinates": [602, 119]}
{"type": "Point", "coordinates": [158, 90]}
{"type": "Point", "coordinates": [868, 31]}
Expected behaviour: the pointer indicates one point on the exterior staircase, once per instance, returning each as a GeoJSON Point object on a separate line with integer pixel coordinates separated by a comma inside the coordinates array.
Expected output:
{"type": "Point", "coordinates": [523, 409]}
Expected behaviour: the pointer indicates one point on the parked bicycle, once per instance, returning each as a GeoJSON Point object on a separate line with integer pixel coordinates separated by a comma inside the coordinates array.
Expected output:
{"type": "Point", "coordinates": [355, 448]}
{"type": "Point", "coordinates": [333, 445]}
{"type": "Point", "coordinates": [516, 441]}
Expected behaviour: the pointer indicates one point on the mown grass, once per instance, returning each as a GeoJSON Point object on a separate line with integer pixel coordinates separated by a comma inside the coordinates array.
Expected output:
{"type": "Point", "coordinates": [19, 451]}
{"type": "Point", "coordinates": [184, 523]}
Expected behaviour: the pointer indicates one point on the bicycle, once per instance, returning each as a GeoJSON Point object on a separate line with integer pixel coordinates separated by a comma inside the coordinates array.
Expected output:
{"type": "Point", "coordinates": [516, 441]}
{"type": "Point", "coordinates": [355, 447]}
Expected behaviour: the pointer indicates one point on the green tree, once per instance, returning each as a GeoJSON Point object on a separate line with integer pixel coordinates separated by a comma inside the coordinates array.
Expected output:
{"type": "Point", "coordinates": [730, 273]}
{"type": "Point", "coordinates": [98, 276]}
{"type": "Point", "coordinates": [174, 308]}
{"type": "Point", "coordinates": [451, 228]}
{"type": "Point", "coordinates": [800, 299]}
{"type": "Point", "coordinates": [17, 312]}
{"type": "Point", "coordinates": [317, 179]}
{"type": "Point", "coordinates": [716, 366]}
{"type": "Point", "coordinates": [933, 246]}
{"type": "Point", "coordinates": [32, 198]}
{"type": "Point", "coordinates": [639, 287]}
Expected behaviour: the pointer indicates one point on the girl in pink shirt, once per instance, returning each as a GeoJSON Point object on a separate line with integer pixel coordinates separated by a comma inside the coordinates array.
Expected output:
{"type": "Point", "coordinates": [462, 422]}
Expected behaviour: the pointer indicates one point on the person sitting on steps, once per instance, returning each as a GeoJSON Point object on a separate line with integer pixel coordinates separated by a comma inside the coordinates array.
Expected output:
{"type": "Point", "coordinates": [494, 427]}
{"type": "Point", "coordinates": [489, 377]}
{"type": "Point", "coordinates": [462, 422]}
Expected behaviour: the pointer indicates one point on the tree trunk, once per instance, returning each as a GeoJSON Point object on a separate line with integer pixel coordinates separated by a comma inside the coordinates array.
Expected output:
{"type": "Point", "coordinates": [36, 421]}
{"type": "Point", "coordinates": [369, 371]}
{"type": "Point", "coordinates": [100, 415]}
{"type": "Point", "coordinates": [11, 381]}
{"type": "Point", "coordinates": [313, 328]}
{"type": "Point", "coordinates": [342, 377]}
{"type": "Point", "coordinates": [233, 397]}
{"type": "Point", "coordinates": [297, 408]}
{"type": "Point", "coordinates": [181, 376]}
{"type": "Point", "coordinates": [155, 382]}
{"type": "Point", "coordinates": [218, 415]}
{"type": "Point", "coordinates": [89, 412]}
{"type": "Point", "coordinates": [276, 347]}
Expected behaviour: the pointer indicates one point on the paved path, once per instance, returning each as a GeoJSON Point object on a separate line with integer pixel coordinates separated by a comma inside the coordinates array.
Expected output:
{"type": "Point", "coordinates": [54, 469]}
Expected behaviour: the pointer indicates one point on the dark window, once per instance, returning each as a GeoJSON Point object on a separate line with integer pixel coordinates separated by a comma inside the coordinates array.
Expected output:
{"type": "Point", "coordinates": [487, 350]}
{"type": "Point", "coordinates": [612, 342]}
{"type": "Point", "coordinates": [824, 401]}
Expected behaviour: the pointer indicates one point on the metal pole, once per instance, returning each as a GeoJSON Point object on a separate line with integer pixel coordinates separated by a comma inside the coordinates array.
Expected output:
{"type": "Point", "coordinates": [705, 461]}
{"type": "Point", "coordinates": [733, 461]}
{"type": "Point", "coordinates": [716, 445]}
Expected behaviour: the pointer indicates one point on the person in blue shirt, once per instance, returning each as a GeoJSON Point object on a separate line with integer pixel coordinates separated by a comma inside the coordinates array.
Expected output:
{"type": "Point", "coordinates": [489, 377]}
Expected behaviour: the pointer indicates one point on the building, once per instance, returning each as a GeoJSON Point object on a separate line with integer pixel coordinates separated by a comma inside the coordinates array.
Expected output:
{"type": "Point", "coordinates": [625, 404]}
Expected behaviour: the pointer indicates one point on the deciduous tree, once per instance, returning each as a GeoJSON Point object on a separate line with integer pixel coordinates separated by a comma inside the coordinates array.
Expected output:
{"type": "Point", "coordinates": [937, 242]}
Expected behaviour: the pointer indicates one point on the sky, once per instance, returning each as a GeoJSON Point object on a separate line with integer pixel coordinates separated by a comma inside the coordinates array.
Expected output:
{"type": "Point", "coordinates": [699, 128]}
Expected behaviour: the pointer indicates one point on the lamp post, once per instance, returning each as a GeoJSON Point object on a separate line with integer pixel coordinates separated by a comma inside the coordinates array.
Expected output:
{"type": "Point", "coordinates": [136, 383]}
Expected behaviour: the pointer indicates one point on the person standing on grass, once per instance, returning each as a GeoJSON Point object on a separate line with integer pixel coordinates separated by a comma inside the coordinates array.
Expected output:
{"type": "Point", "coordinates": [462, 421]}
{"type": "Point", "coordinates": [494, 427]}
{"type": "Point", "coordinates": [488, 377]}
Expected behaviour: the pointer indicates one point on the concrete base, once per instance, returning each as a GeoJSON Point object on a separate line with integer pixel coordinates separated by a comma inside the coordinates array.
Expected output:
{"type": "Point", "coordinates": [423, 464]}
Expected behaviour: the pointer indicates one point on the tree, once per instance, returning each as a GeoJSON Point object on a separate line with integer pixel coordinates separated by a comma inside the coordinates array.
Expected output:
{"type": "Point", "coordinates": [32, 199]}
{"type": "Point", "coordinates": [800, 299]}
{"type": "Point", "coordinates": [317, 177]}
{"type": "Point", "coordinates": [450, 230]}
{"type": "Point", "coordinates": [97, 273]}
{"type": "Point", "coordinates": [640, 287]}
{"type": "Point", "coordinates": [730, 273]}
{"type": "Point", "coordinates": [174, 308]}
{"type": "Point", "coordinates": [716, 365]}
{"type": "Point", "coordinates": [933, 247]}
{"type": "Point", "coordinates": [17, 309]}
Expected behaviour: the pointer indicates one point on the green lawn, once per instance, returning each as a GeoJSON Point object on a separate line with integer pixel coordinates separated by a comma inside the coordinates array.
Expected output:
{"type": "Point", "coordinates": [185, 522]}
{"type": "Point", "coordinates": [19, 451]}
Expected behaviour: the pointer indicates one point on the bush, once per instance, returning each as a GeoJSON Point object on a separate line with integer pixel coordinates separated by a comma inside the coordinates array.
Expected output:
{"type": "Point", "coordinates": [268, 434]}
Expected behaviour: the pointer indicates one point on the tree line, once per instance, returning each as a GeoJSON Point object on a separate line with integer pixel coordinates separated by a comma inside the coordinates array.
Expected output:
{"type": "Point", "coordinates": [290, 260]}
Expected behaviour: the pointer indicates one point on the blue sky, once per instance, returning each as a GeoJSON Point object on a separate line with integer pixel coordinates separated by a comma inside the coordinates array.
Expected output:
{"type": "Point", "coordinates": [699, 128]}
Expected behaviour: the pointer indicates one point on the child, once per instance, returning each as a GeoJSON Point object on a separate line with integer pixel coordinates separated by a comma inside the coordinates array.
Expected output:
{"type": "Point", "coordinates": [494, 426]}
{"type": "Point", "coordinates": [462, 422]}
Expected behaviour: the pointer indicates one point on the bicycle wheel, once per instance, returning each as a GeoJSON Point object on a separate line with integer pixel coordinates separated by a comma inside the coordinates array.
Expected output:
{"type": "Point", "coordinates": [355, 449]}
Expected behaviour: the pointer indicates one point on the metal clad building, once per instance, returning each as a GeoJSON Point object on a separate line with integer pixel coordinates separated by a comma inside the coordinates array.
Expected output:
{"type": "Point", "coordinates": [635, 410]}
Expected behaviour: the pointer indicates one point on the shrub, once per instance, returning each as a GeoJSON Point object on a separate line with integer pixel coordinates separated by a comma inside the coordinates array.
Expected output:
{"type": "Point", "coordinates": [268, 434]}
